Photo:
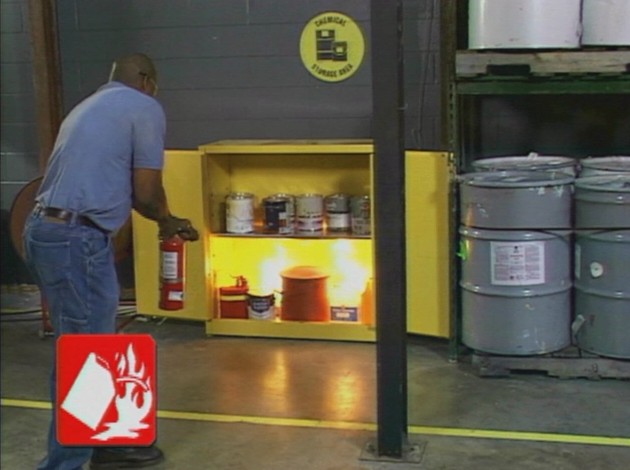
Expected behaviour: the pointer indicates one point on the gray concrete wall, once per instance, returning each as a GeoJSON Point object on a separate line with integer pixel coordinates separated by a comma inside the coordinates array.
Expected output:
{"type": "Point", "coordinates": [229, 69]}
{"type": "Point", "coordinates": [18, 136]}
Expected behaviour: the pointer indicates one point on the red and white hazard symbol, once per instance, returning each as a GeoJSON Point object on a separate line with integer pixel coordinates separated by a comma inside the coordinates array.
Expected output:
{"type": "Point", "coordinates": [106, 390]}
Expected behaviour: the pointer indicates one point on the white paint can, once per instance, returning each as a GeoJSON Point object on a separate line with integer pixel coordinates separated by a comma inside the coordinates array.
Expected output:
{"type": "Point", "coordinates": [239, 213]}
{"type": "Point", "coordinates": [310, 213]}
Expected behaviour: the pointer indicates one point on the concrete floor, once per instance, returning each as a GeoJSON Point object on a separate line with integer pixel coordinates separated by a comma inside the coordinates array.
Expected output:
{"type": "Point", "coordinates": [257, 404]}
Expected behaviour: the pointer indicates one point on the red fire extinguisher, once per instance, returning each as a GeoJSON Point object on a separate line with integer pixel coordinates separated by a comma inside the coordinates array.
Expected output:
{"type": "Point", "coordinates": [172, 258]}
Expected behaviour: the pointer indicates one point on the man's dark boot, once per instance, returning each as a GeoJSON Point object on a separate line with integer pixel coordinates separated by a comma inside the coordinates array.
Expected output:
{"type": "Point", "coordinates": [109, 458]}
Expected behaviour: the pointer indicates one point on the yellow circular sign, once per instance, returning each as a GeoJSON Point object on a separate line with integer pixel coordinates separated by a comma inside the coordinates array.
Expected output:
{"type": "Point", "coordinates": [332, 46]}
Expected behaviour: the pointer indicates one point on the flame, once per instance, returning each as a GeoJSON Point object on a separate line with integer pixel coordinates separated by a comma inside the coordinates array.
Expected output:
{"type": "Point", "coordinates": [349, 277]}
{"type": "Point", "coordinates": [127, 365]}
{"type": "Point", "coordinates": [269, 279]}
{"type": "Point", "coordinates": [347, 261]}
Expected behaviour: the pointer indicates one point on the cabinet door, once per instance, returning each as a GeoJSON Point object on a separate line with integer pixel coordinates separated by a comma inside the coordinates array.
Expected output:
{"type": "Point", "coordinates": [183, 184]}
{"type": "Point", "coordinates": [427, 213]}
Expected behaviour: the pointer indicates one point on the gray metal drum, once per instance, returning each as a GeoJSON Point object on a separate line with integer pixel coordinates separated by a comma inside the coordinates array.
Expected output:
{"type": "Point", "coordinates": [531, 162]}
{"type": "Point", "coordinates": [594, 166]}
{"type": "Point", "coordinates": [602, 202]}
{"type": "Point", "coordinates": [602, 292]}
{"type": "Point", "coordinates": [526, 200]}
{"type": "Point", "coordinates": [516, 291]}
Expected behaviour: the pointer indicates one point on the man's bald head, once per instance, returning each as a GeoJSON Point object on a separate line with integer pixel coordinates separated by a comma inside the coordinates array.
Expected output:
{"type": "Point", "coordinates": [135, 71]}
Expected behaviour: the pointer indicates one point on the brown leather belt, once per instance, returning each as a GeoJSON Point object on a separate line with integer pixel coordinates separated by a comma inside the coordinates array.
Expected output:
{"type": "Point", "coordinates": [67, 216]}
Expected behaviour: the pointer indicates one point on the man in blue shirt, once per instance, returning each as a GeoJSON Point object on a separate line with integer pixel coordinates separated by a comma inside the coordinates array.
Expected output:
{"type": "Point", "coordinates": [107, 159]}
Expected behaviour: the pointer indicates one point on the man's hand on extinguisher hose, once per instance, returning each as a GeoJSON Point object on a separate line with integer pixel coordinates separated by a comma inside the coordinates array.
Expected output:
{"type": "Point", "coordinates": [183, 228]}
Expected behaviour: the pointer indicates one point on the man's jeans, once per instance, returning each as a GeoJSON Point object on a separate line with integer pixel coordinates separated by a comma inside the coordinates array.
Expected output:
{"type": "Point", "coordinates": [76, 273]}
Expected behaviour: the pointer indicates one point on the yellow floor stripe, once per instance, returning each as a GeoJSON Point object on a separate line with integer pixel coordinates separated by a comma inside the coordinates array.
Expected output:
{"type": "Point", "coordinates": [347, 425]}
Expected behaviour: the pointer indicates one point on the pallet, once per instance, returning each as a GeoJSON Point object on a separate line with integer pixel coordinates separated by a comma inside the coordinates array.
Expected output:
{"type": "Point", "coordinates": [473, 63]}
{"type": "Point", "coordinates": [570, 363]}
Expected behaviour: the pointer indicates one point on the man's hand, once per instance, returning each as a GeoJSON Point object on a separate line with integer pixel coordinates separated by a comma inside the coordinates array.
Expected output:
{"type": "Point", "coordinates": [183, 228]}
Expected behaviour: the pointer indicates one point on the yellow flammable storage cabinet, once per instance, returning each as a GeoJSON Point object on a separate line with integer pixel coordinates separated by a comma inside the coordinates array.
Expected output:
{"type": "Point", "coordinates": [198, 183]}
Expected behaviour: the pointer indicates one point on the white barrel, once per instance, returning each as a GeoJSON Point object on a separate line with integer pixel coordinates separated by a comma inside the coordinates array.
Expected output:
{"type": "Point", "coordinates": [516, 290]}
{"type": "Point", "coordinates": [518, 24]}
{"type": "Point", "coordinates": [595, 166]}
{"type": "Point", "coordinates": [606, 23]}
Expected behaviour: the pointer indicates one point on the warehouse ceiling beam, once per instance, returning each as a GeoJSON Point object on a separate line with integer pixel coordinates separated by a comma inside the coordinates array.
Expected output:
{"type": "Point", "coordinates": [46, 74]}
{"type": "Point", "coordinates": [389, 236]}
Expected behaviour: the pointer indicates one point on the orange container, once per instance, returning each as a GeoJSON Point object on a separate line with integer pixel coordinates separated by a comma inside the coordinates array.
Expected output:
{"type": "Point", "coordinates": [304, 294]}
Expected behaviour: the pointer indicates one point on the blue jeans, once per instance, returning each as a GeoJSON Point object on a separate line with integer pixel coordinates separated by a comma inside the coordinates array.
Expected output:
{"type": "Point", "coordinates": [76, 273]}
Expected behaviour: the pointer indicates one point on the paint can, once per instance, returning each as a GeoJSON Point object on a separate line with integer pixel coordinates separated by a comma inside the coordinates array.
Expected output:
{"type": "Point", "coordinates": [276, 215]}
{"type": "Point", "coordinates": [310, 213]}
{"type": "Point", "coordinates": [338, 212]}
{"type": "Point", "coordinates": [239, 213]}
{"type": "Point", "coordinates": [360, 215]}
{"type": "Point", "coordinates": [290, 210]}
{"type": "Point", "coordinates": [261, 306]}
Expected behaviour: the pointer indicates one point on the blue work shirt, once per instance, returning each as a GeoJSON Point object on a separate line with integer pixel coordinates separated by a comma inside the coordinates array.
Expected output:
{"type": "Point", "coordinates": [101, 141]}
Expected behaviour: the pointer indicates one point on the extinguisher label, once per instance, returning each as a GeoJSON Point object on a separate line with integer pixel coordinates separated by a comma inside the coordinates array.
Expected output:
{"type": "Point", "coordinates": [176, 296]}
{"type": "Point", "coordinates": [169, 266]}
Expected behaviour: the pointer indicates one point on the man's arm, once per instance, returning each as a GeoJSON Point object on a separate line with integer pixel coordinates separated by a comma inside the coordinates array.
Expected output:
{"type": "Point", "coordinates": [149, 199]}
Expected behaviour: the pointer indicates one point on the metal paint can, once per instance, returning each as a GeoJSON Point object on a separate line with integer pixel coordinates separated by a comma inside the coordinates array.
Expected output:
{"type": "Point", "coordinates": [239, 213]}
{"type": "Point", "coordinates": [360, 215]}
{"type": "Point", "coordinates": [261, 306]}
{"type": "Point", "coordinates": [290, 210]}
{"type": "Point", "coordinates": [276, 215]}
{"type": "Point", "coordinates": [338, 212]}
{"type": "Point", "coordinates": [310, 213]}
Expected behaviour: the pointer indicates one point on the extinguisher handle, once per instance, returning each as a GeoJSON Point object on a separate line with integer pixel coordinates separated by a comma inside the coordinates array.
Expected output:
{"type": "Point", "coordinates": [172, 226]}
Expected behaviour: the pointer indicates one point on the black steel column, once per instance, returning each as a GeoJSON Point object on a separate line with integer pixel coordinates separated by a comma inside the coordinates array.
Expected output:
{"type": "Point", "coordinates": [389, 225]}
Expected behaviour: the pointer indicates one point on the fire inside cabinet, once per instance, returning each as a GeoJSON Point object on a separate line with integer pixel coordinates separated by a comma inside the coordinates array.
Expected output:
{"type": "Point", "coordinates": [197, 184]}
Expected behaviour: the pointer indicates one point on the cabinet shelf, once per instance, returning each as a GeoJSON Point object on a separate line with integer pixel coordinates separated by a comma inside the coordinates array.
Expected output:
{"type": "Point", "coordinates": [324, 236]}
{"type": "Point", "coordinates": [293, 329]}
